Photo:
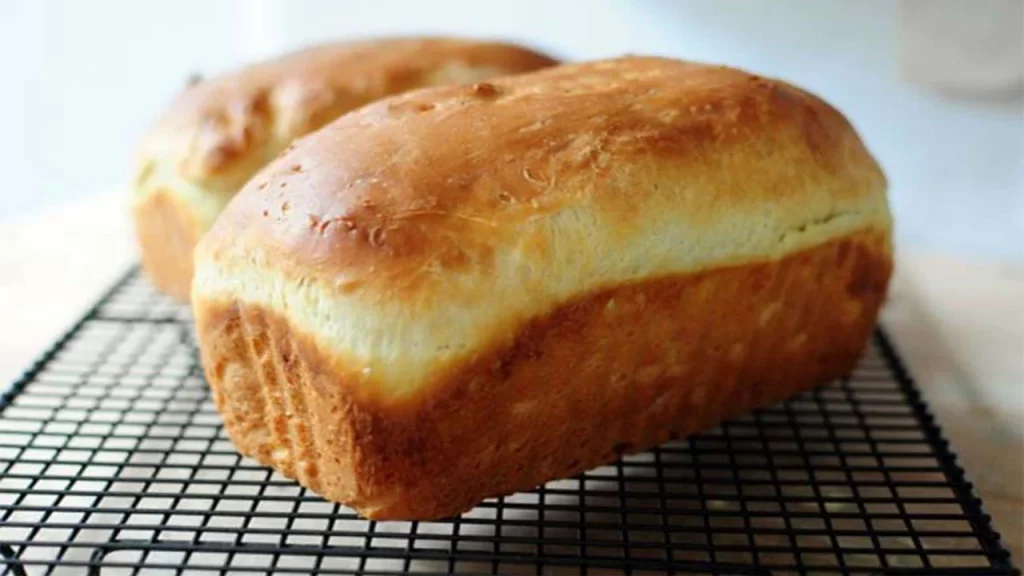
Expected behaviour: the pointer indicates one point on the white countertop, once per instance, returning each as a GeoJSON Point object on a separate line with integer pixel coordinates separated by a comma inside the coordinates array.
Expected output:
{"type": "Point", "coordinates": [958, 323]}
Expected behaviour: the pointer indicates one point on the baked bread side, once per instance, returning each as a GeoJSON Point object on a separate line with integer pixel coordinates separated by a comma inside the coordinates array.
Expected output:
{"type": "Point", "coordinates": [219, 132]}
{"type": "Point", "coordinates": [469, 291]}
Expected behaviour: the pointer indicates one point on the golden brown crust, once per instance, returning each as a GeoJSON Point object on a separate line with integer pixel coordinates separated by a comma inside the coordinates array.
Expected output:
{"type": "Point", "coordinates": [391, 233]}
{"type": "Point", "coordinates": [617, 370]}
{"type": "Point", "coordinates": [167, 235]}
{"type": "Point", "coordinates": [219, 132]}
{"type": "Point", "coordinates": [387, 191]}
{"type": "Point", "coordinates": [215, 124]}
{"type": "Point", "coordinates": [467, 291]}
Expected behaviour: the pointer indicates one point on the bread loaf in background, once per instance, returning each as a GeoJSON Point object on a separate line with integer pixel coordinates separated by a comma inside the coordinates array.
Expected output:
{"type": "Point", "coordinates": [463, 292]}
{"type": "Point", "coordinates": [219, 132]}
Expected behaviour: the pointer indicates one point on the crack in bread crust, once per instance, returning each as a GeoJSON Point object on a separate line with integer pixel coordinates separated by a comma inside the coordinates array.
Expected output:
{"type": "Point", "coordinates": [619, 370]}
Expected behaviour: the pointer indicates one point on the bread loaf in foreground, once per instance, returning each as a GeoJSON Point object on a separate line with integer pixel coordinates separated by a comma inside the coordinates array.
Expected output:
{"type": "Point", "coordinates": [467, 291]}
{"type": "Point", "coordinates": [219, 132]}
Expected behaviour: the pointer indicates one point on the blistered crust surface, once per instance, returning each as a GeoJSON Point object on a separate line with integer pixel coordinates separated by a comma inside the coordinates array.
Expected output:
{"type": "Point", "coordinates": [414, 232]}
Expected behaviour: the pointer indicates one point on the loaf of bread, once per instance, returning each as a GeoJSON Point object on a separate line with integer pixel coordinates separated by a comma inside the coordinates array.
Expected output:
{"type": "Point", "coordinates": [218, 133]}
{"type": "Point", "coordinates": [463, 292]}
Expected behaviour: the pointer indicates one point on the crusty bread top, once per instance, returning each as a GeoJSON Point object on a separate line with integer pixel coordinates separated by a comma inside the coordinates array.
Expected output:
{"type": "Point", "coordinates": [218, 132]}
{"type": "Point", "coordinates": [429, 226]}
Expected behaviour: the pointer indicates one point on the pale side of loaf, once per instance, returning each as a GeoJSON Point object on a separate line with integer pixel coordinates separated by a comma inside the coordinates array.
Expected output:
{"type": "Point", "coordinates": [465, 292]}
{"type": "Point", "coordinates": [219, 132]}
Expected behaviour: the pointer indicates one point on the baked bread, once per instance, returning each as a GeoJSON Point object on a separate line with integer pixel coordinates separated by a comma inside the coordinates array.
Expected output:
{"type": "Point", "coordinates": [467, 291]}
{"type": "Point", "coordinates": [218, 133]}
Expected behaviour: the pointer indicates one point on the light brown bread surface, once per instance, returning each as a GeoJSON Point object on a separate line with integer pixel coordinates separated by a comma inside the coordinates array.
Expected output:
{"type": "Point", "coordinates": [467, 291]}
{"type": "Point", "coordinates": [219, 132]}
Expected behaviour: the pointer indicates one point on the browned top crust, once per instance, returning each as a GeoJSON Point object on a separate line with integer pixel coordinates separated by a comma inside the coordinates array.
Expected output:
{"type": "Point", "coordinates": [219, 131]}
{"type": "Point", "coordinates": [443, 173]}
{"type": "Point", "coordinates": [390, 233]}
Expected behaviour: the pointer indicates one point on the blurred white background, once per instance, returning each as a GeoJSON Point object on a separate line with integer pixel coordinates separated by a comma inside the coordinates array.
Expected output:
{"type": "Point", "coordinates": [82, 80]}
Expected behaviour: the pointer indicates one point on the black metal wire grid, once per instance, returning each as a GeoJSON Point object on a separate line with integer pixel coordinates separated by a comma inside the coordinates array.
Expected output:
{"type": "Point", "coordinates": [114, 461]}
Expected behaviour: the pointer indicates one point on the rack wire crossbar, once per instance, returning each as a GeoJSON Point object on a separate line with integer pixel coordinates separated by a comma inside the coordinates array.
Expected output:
{"type": "Point", "coordinates": [113, 460]}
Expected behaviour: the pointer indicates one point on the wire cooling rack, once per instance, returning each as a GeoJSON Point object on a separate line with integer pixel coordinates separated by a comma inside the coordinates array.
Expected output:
{"type": "Point", "coordinates": [114, 462]}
